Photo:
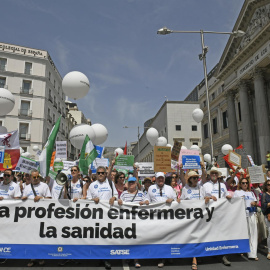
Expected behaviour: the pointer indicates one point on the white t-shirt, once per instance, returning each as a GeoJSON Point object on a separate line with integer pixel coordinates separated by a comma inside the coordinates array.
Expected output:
{"type": "Point", "coordinates": [76, 190]}
{"type": "Point", "coordinates": [248, 196]}
{"type": "Point", "coordinates": [128, 197]}
{"type": "Point", "coordinates": [212, 189]}
{"type": "Point", "coordinates": [153, 194]}
{"type": "Point", "coordinates": [41, 189]}
{"type": "Point", "coordinates": [56, 189]}
{"type": "Point", "coordinates": [10, 191]}
{"type": "Point", "coordinates": [102, 190]}
{"type": "Point", "coordinates": [192, 193]}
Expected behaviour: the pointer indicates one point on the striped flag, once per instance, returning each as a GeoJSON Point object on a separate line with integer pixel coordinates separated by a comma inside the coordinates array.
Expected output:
{"type": "Point", "coordinates": [46, 154]}
{"type": "Point", "coordinates": [88, 155]}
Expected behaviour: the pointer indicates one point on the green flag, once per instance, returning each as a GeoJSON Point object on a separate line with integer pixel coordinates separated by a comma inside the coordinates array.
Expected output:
{"type": "Point", "coordinates": [88, 155]}
{"type": "Point", "coordinates": [46, 154]}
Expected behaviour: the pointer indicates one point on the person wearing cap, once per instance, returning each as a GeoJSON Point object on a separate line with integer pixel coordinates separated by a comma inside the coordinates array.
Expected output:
{"type": "Point", "coordinates": [159, 192]}
{"type": "Point", "coordinates": [213, 189]}
{"type": "Point", "coordinates": [9, 189]}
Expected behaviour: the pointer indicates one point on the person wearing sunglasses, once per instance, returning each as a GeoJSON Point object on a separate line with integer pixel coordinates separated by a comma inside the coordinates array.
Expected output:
{"type": "Point", "coordinates": [160, 192]}
{"type": "Point", "coordinates": [74, 188]}
{"type": "Point", "coordinates": [119, 183]}
{"type": "Point", "coordinates": [213, 190]}
{"type": "Point", "coordinates": [243, 190]}
{"type": "Point", "coordinates": [147, 182]}
{"type": "Point", "coordinates": [9, 189]}
{"type": "Point", "coordinates": [266, 211]}
{"type": "Point", "coordinates": [36, 189]}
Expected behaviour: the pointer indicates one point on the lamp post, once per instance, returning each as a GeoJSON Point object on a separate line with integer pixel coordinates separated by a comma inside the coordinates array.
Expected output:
{"type": "Point", "coordinates": [202, 57]}
{"type": "Point", "coordinates": [138, 139]}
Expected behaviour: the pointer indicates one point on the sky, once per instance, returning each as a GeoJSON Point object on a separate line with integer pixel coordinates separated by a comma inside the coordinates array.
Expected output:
{"type": "Point", "coordinates": [131, 69]}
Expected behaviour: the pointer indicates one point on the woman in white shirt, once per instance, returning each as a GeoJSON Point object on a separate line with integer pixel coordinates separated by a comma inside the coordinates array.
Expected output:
{"type": "Point", "coordinates": [243, 190]}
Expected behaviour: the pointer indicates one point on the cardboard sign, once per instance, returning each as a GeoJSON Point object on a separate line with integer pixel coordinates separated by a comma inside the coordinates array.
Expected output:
{"type": "Point", "coordinates": [176, 150]}
{"type": "Point", "coordinates": [162, 159]}
{"type": "Point", "coordinates": [244, 159]}
{"type": "Point", "coordinates": [124, 162]}
{"type": "Point", "coordinates": [2, 154]}
{"type": "Point", "coordinates": [234, 158]}
{"type": "Point", "coordinates": [61, 149]}
{"type": "Point", "coordinates": [257, 174]}
{"type": "Point", "coordinates": [146, 169]}
{"type": "Point", "coordinates": [26, 165]}
{"type": "Point", "coordinates": [191, 162]}
{"type": "Point", "coordinates": [187, 152]}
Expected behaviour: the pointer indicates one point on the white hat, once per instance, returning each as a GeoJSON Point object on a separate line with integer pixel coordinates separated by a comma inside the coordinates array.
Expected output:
{"type": "Point", "coordinates": [158, 174]}
{"type": "Point", "coordinates": [214, 169]}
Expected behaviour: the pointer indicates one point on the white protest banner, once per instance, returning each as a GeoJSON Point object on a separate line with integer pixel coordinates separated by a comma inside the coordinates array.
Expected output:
{"type": "Point", "coordinates": [257, 174]}
{"type": "Point", "coordinates": [61, 149]}
{"type": "Point", "coordinates": [146, 169]}
{"type": "Point", "coordinates": [85, 230]}
{"type": "Point", "coordinates": [68, 164]}
{"type": "Point", "coordinates": [104, 162]}
{"type": "Point", "coordinates": [2, 154]}
{"type": "Point", "coordinates": [26, 165]}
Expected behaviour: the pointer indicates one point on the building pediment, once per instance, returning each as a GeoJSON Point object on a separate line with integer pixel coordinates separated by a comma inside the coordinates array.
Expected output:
{"type": "Point", "coordinates": [254, 20]}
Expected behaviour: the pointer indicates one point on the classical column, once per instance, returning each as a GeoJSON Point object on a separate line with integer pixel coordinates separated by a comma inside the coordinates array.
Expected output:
{"type": "Point", "coordinates": [262, 115]}
{"type": "Point", "coordinates": [246, 118]}
{"type": "Point", "coordinates": [233, 129]}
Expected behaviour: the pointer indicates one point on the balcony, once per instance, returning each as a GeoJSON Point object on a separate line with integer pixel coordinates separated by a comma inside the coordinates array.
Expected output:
{"type": "Point", "coordinates": [28, 71]}
{"type": "Point", "coordinates": [25, 113]}
{"type": "Point", "coordinates": [51, 99]}
{"type": "Point", "coordinates": [26, 91]}
{"type": "Point", "coordinates": [55, 104]}
{"type": "Point", "coordinates": [3, 68]}
{"type": "Point", "coordinates": [24, 136]}
{"type": "Point", "coordinates": [49, 118]}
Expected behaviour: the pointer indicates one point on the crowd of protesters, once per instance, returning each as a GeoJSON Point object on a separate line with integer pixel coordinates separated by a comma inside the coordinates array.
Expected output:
{"type": "Point", "coordinates": [115, 187]}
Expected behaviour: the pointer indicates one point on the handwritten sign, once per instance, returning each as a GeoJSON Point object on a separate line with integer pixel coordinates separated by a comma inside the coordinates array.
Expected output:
{"type": "Point", "coordinates": [257, 174]}
{"type": "Point", "coordinates": [162, 159]}
{"type": "Point", "coordinates": [234, 158]}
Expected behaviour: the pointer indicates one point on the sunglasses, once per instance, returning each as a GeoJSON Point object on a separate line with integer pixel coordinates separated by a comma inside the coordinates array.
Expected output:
{"type": "Point", "coordinates": [122, 177]}
{"type": "Point", "coordinates": [101, 173]}
{"type": "Point", "coordinates": [7, 175]}
{"type": "Point", "coordinates": [196, 178]}
{"type": "Point", "coordinates": [73, 170]}
{"type": "Point", "coordinates": [268, 184]}
{"type": "Point", "coordinates": [35, 177]}
{"type": "Point", "coordinates": [244, 183]}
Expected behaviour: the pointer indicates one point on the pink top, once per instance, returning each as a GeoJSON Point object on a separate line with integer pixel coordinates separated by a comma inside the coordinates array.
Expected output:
{"type": "Point", "coordinates": [177, 190]}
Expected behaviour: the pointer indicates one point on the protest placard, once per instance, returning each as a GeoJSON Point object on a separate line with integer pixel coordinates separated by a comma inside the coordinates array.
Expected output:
{"type": "Point", "coordinates": [58, 166]}
{"type": "Point", "coordinates": [191, 162]}
{"type": "Point", "coordinates": [68, 164]}
{"type": "Point", "coordinates": [162, 159]}
{"type": "Point", "coordinates": [244, 158]}
{"type": "Point", "coordinates": [104, 162]}
{"type": "Point", "coordinates": [61, 149]}
{"type": "Point", "coordinates": [234, 158]}
{"type": "Point", "coordinates": [100, 150]}
{"type": "Point", "coordinates": [187, 152]}
{"type": "Point", "coordinates": [257, 174]}
{"type": "Point", "coordinates": [124, 162]}
{"type": "Point", "coordinates": [26, 165]}
{"type": "Point", "coordinates": [224, 171]}
{"type": "Point", "coordinates": [146, 169]}
{"type": "Point", "coordinates": [176, 150]}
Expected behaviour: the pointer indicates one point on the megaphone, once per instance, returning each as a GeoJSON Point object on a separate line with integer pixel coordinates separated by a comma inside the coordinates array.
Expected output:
{"type": "Point", "coordinates": [61, 179]}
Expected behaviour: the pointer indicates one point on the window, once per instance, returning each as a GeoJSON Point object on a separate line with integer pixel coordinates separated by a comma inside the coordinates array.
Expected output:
{"type": "Point", "coordinates": [3, 82]}
{"type": "Point", "coordinates": [53, 118]}
{"type": "Point", "coordinates": [195, 143]}
{"type": "Point", "coordinates": [215, 130]}
{"type": "Point", "coordinates": [3, 64]}
{"type": "Point", "coordinates": [205, 131]}
{"type": "Point", "coordinates": [54, 83]}
{"type": "Point", "coordinates": [25, 108]}
{"type": "Point", "coordinates": [49, 75]}
{"type": "Point", "coordinates": [239, 111]}
{"type": "Point", "coordinates": [178, 127]}
{"type": "Point", "coordinates": [23, 131]}
{"type": "Point", "coordinates": [26, 87]}
{"type": "Point", "coordinates": [28, 68]}
{"type": "Point", "coordinates": [194, 128]}
{"type": "Point", "coordinates": [48, 133]}
{"type": "Point", "coordinates": [213, 96]}
{"type": "Point", "coordinates": [225, 119]}
{"type": "Point", "coordinates": [59, 90]}
{"type": "Point", "coordinates": [24, 148]}
{"type": "Point", "coordinates": [204, 103]}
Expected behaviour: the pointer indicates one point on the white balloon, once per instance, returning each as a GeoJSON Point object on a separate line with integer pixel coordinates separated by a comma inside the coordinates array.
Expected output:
{"type": "Point", "coordinates": [226, 148]}
{"type": "Point", "coordinates": [75, 85]}
{"type": "Point", "coordinates": [207, 158]}
{"type": "Point", "coordinates": [197, 115]}
{"type": "Point", "coordinates": [101, 134]}
{"type": "Point", "coordinates": [195, 147]}
{"type": "Point", "coordinates": [78, 133]}
{"type": "Point", "coordinates": [26, 154]}
{"type": "Point", "coordinates": [118, 151]}
{"type": "Point", "coordinates": [3, 130]}
{"type": "Point", "coordinates": [183, 147]}
{"type": "Point", "coordinates": [35, 148]}
{"type": "Point", "coordinates": [161, 141]}
{"type": "Point", "coordinates": [169, 145]}
{"type": "Point", "coordinates": [7, 101]}
{"type": "Point", "coordinates": [152, 135]}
